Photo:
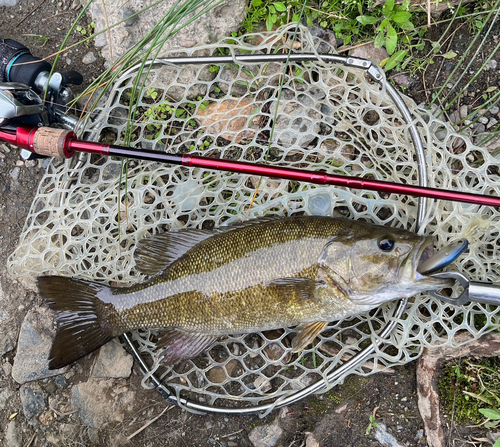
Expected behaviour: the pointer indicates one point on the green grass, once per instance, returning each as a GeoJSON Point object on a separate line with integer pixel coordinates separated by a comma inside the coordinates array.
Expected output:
{"type": "Point", "coordinates": [470, 386]}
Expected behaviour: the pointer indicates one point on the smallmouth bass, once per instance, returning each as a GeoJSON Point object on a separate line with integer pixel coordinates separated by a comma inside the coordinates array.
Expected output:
{"type": "Point", "coordinates": [258, 275]}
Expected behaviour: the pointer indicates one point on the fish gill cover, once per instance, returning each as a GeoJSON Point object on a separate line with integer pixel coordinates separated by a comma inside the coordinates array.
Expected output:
{"type": "Point", "coordinates": [329, 118]}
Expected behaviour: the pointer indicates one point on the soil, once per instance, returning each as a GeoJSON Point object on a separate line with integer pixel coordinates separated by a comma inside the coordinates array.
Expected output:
{"type": "Point", "coordinates": [470, 86]}
{"type": "Point", "coordinates": [340, 417]}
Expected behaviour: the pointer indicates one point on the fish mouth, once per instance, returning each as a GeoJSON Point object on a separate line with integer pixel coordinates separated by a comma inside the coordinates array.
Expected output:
{"type": "Point", "coordinates": [424, 252]}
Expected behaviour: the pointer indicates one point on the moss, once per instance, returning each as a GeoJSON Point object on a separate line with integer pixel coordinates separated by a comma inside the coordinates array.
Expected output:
{"type": "Point", "coordinates": [326, 402]}
{"type": "Point", "coordinates": [478, 376]}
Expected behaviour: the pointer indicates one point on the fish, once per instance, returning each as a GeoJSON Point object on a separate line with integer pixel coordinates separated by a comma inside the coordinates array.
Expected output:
{"type": "Point", "coordinates": [258, 275]}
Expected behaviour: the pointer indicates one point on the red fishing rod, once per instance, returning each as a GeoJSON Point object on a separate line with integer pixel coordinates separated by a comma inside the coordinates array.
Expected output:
{"type": "Point", "coordinates": [26, 116]}
{"type": "Point", "coordinates": [63, 143]}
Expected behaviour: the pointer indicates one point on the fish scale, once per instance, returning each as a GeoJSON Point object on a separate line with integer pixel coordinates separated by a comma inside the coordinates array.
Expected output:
{"type": "Point", "coordinates": [253, 276]}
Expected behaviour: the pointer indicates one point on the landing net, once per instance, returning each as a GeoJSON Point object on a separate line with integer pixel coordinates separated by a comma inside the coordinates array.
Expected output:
{"type": "Point", "coordinates": [86, 219]}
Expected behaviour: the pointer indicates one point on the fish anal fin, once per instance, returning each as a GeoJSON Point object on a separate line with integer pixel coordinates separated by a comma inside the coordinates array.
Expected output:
{"type": "Point", "coordinates": [306, 333]}
{"type": "Point", "coordinates": [154, 254]}
{"type": "Point", "coordinates": [179, 345]}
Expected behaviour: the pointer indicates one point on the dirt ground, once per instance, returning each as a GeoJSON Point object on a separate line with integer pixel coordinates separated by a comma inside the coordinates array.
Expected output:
{"type": "Point", "coordinates": [338, 418]}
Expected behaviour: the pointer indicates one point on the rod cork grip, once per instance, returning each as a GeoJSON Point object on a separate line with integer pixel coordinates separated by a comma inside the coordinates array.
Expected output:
{"type": "Point", "coordinates": [52, 142]}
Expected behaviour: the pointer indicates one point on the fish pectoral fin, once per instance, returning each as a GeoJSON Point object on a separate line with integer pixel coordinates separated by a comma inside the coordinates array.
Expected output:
{"type": "Point", "coordinates": [306, 333]}
{"type": "Point", "coordinates": [295, 288]}
{"type": "Point", "coordinates": [154, 254]}
{"type": "Point", "coordinates": [179, 345]}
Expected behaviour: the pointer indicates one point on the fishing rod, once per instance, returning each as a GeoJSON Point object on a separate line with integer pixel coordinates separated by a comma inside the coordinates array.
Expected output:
{"type": "Point", "coordinates": [52, 142]}
{"type": "Point", "coordinates": [24, 117]}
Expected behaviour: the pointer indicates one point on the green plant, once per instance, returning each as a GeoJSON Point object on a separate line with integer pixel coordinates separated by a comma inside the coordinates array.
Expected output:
{"type": "Point", "coordinates": [393, 17]}
{"type": "Point", "coordinates": [380, 24]}
{"type": "Point", "coordinates": [470, 391]}
{"type": "Point", "coordinates": [265, 10]}
{"type": "Point", "coordinates": [372, 423]}
{"type": "Point", "coordinates": [89, 30]}
{"type": "Point", "coordinates": [163, 111]}
{"type": "Point", "coordinates": [38, 39]}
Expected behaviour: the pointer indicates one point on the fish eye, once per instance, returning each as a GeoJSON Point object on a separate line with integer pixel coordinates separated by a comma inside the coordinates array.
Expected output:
{"type": "Point", "coordinates": [386, 243]}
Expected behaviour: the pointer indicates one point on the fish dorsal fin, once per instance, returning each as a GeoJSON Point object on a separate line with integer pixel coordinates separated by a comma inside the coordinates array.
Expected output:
{"type": "Point", "coordinates": [249, 223]}
{"type": "Point", "coordinates": [179, 345]}
{"type": "Point", "coordinates": [306, 333]}
{"type": "Point", "coordinates": [154, 254]}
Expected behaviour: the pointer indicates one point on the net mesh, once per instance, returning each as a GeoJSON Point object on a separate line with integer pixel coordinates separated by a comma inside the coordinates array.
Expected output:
{"type": "Point", "coordinates": [86, 220]}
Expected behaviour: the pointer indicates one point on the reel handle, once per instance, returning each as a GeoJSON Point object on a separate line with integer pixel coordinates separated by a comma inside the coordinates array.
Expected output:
{"type": "Point", "coordinates": [17, 64]}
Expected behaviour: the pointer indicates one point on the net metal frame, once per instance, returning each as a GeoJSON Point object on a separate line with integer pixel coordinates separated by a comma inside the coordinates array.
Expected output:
{"type": "Point", "coordinates": [334, 113]}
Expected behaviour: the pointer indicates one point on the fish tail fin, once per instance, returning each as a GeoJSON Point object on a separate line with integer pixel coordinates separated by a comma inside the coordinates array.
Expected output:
{"type": "Point", "coordinates": [83, 323]}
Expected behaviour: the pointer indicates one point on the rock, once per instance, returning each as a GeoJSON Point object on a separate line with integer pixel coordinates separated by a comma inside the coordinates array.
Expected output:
{"type": "Point", "coordinates": [459, 114]}
{"type": "Point", "coordinates": [33, 346]}
{"type": "Point", "coordinates": [5, 148]}
{"type": "Point", "coordinates": [494, 110]}
{"type": "Point", "coordinates": [52, 438]}
{"type": "Point", "coordinates": [70, 433]}
{"type": "Point", "coordinates": [13, 437]}
{"type": "Point", "coordinates": [403, 80]}
{"type": "Point", "coordinates": [113, 362]}
{"type": "Point", "coordinates": [491, 65]}
{"type": "Point", "coordinates": [297, 123]}
{"type": "Point", "coordinates": [428, 368]}
{"type": "Point", "coordinates": [231, 119]}
{"type": "Point", "coordinates": [8, 2]}
{"type": "Point", "coordinates": [311, 440]}
{"type": "Point", "coordinates": [32, 400]}
{"type": "Point", "coordinates": [491, 123]}
{"type": "Point", "coordinates": [5, 396]}
{"type": "Point", "coordinates": [493, 437]}
{"type": "Point", "coordinates": [61, 382]}
{"type": "Point", "coordinates": [273, 351]}
{"type": "Point", "coordinates": [262, 384]}
{"type": "Point", "coordinates": [492, 146]}
{"type": "Point", "coordinates": [14, 173]}
{"type": "Point", "coordinates": [7, 368]}
{"type": "Point", "coordinates": [129, 16]}
{"type": "Point", "coordinates": [384, 437]}
{"type": "Point", "coordinates": [89, 58]}
{"type": "Point", "coordinates": [211, 27]}
{"type": "Point", "coordinates": [217, 374]}
{"type": "Point", "coordinates": [6, 342]}
{"type": "Point", "coordinates": [31, 163]}
{"type": "Point", "coordinates": [479, 129]}
{"type": "Point", "coordinates": [369, 51]}
{"type": "Point", "coordinates": [96, 405]}
{"type": "Point", "coordinates": [449, 66]}
{"type": "Point", "coordinates": [265, 435]}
